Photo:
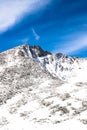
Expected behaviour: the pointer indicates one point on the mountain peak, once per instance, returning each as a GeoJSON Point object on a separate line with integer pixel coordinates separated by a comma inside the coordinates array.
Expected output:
{"type": "Point", "coordinates": [35, 51]}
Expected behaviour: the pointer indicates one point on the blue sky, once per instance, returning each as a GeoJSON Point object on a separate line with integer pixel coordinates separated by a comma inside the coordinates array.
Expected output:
{"type": "Point", "coordinates": [55, 25]}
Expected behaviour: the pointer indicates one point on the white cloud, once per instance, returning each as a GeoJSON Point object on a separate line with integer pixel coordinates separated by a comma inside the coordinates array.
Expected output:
{"type": "Point", "coordinates": [77, 44]}
{"type": "Point", "coordinates": [13, 10]}
{"type": "Point", "coordinates": [37, 37]}
{"type": "Point", "coordinates": [73, 45]}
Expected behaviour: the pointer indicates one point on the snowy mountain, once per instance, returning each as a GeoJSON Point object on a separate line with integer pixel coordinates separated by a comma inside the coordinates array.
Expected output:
{"type": "Point", "coordinates": [59, 65]}
{"type": "Point", "coordinates": [41, 90]}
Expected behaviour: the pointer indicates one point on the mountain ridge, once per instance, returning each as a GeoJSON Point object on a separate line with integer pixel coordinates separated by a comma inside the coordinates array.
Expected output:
{"type": "Point", "coordinates": [59, 65]}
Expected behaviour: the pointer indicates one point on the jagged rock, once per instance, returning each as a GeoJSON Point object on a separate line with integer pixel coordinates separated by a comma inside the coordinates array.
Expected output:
{"type": "Point", "coordinates": [35, 51]}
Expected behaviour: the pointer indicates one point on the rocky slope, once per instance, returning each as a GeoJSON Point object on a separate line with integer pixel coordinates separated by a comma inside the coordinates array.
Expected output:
{"type": "Point", "coordinates": [19, 71]}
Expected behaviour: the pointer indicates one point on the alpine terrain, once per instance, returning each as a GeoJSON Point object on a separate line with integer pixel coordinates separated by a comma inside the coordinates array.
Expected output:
{"type": "Point", "coordinates": [41, 90]}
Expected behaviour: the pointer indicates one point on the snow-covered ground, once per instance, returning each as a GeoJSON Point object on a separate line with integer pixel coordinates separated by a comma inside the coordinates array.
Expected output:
{"type": "Point", "coordinates": [46, 107]}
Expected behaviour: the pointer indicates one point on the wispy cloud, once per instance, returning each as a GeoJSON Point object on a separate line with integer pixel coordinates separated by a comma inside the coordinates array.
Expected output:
{"type": "Point", "coordinates": [37, 37]}
{"type": "Point", "coordinates": [11, 11]}
{"type": "Point", "coordinates": [73, 45]}
{"type": "Point", "coordinates": [76, 44]}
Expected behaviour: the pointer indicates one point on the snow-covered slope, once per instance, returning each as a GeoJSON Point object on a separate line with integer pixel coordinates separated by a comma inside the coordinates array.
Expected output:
{"type": "Point", "coordinates": [66, 68]}
{"type": "Point", "coordinates": [48, 106]}
{"type": "Point", "coordinates": [32, 96]}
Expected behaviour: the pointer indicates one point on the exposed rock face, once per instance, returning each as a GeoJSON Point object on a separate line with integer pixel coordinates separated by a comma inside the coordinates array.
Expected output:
{"type": "Point", "coordinates": [35, 51]}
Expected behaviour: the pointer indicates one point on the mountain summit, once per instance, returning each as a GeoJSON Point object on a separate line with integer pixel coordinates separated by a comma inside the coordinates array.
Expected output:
{"type": "Point", "coordinates": [35, 51]}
